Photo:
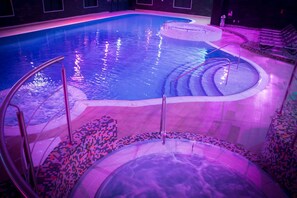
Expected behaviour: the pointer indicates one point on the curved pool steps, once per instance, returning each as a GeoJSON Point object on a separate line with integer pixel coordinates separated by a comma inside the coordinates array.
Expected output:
{"type": "Point", "coordinates": [169, 82]}
{"type": "Point", "coordinates": [194, 83]}
{"type": "Point", "coordinates": [237, 74]}
{"type": "Point", "coordinates": [209, 89]}
{"type": "Point", "coordinates": [208, 83]}
{"type": "Point", "coordinates": [184, 82]}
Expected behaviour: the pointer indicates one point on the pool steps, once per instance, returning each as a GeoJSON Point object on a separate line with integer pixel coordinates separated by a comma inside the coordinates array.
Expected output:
{"type": "Point", "coordinates": [196, 82]}
{"type": "Point", "coordinates": [207, 80]}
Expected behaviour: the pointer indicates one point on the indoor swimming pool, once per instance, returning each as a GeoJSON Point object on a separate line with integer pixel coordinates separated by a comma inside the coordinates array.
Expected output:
{"type": "Point", "coordinates": [124, 58]}
{"type": "Point", "coordinates": [119, 58]}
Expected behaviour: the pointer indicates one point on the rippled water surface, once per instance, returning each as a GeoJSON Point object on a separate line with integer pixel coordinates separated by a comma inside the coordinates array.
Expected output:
{"type": "Point", "coordinates": [118, 58]}
{"type": "Point", "coordinates": [176, 175]}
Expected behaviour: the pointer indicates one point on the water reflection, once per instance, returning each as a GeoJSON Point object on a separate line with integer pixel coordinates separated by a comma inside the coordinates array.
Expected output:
{"type": "Point", "coordinates": [105, 58]}
{"type": "Point", "coordinates": [159, 49]}
{"type": "Point", "coordinates": [119, 43]}
{"type": "Point", "coordinates": [77, 76]}
{"type": "Point", "coordinates": [148, 35]}
{"type": "Point", "coordinates": [224, 76]}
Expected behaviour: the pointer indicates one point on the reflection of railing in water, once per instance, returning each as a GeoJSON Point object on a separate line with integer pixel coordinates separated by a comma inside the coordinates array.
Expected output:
{"type": "Point", "coordinates": [10, 167]}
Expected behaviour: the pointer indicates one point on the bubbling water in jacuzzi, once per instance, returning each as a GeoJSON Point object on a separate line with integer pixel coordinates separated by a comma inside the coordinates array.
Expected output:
{"type": "Point", "coordinates": [176, 175]}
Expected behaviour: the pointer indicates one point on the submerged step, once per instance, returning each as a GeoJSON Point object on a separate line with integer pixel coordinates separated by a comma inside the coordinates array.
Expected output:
{"type": "Point", "coordinates": [201, 81]}
{"type": "Point", "coordinates": [239, 78]}
{"type": "Point", "coordinates": [207, 81]}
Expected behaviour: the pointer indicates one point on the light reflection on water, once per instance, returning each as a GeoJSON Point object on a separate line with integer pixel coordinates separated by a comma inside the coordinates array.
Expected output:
{"type": "Point", "coordinates": [124, 58]}
{"type": "Point", "coordinates": [127, 47]}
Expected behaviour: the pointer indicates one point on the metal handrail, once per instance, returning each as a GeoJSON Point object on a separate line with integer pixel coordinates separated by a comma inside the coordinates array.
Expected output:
{"type": "Point", "coordinates": [33, 114]}
{"type": "Point", "coordinates": [209, 59]}
{"type": "Point", "coordinates": [191, 70]}
{"type": "Point", "coordinates": [29, 120]}
{"type": "Point", "coordinates": [10, 168]}
{"type": "Point", "coordinates": [222, 48]}
{"type": "Point", "coordinates": [163, 119]}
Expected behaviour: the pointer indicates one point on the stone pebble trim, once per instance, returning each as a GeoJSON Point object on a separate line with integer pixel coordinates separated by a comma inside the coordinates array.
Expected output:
{"type": "Point", "coordinates": [68, 162]}
{"type": "Point", "coordinates": [279, 153]}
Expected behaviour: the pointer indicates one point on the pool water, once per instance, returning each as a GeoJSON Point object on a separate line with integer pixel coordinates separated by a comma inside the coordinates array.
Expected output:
{"type": "Point", "coordinates": [176, 175]}
{"type": "Point", "coordinates": [120, 58]}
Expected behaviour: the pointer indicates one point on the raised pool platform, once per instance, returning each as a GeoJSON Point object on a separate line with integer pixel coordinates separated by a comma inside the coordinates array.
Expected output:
{"type": "Point", "coordinates": [191, 31]}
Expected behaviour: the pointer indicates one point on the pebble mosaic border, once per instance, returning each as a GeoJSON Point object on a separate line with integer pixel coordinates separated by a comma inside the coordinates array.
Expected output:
{"type": "Point", "coordinates": [67, 163]}
{"type": "Point", "coordinates": [278, 153]}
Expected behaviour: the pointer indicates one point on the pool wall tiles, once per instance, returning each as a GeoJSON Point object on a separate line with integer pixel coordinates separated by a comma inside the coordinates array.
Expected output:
{"type": "Point", "coordinates": [67, 163]}
{"type": "Point", "coordinates": [279, 157]}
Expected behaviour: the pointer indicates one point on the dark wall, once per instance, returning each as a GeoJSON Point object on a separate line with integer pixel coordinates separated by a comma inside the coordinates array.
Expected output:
{"type": "Point", "coordinates": [199, 7]}
{"type": "Point", "coordinates": [279, 13]}
{"type": "Point", "coordinates": [257, 13]}
{"type": "Point", "coordinates": [216, 12]}
{"type": "Point", "coordinates": [251, 13]}
{"type": "Point", "coordinates": [29, 11]}
{"type": "Point", "coordinates": [244, 12]}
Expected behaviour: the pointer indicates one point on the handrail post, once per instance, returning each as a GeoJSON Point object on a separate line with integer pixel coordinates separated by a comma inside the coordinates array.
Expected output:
{"type": "Point", "coordinates": [9, 166]}
{"type": "Point", "coordinates": [66, 100]}
{"type": "Point", "coordinates": [163, 120]}
{"type": "Point", "coordinates": [26, 146]}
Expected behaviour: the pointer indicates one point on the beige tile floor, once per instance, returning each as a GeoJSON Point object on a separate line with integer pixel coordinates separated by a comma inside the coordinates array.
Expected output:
{"type": "Point", "coordinates": [244, 121]}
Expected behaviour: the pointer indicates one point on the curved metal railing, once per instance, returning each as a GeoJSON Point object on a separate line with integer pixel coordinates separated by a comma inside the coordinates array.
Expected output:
{"type": "Point", "coordinates": [205, 62]}
{"type": "Point", "coordinates": [174, 81]}
{"type": "Point", "coordinates": [180, 76]}
{"type": "Point", "coordinates": [10, 167]}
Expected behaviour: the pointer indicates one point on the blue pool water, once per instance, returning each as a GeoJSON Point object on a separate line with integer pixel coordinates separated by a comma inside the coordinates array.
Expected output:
{"type": "Point", "coordinates": [176, 175]}
{"type": "Point", "coordinates": [122, 58]}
